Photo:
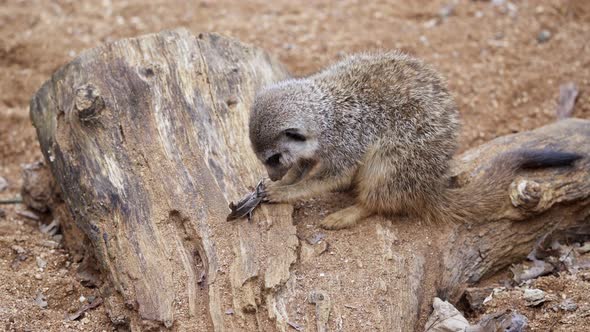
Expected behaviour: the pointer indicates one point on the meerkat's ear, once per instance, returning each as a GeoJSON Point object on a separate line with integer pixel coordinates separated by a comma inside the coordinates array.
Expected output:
{"type": "Point", "coordinates": [295, 134]}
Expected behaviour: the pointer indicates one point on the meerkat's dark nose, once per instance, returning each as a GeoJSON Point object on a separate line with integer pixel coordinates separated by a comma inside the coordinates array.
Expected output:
{"type": "Point", "coordinates": [274, 177]}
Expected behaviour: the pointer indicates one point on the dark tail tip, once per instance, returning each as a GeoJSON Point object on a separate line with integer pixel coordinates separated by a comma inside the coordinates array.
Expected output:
{"type": "Point", "coordinates": [534, 159]}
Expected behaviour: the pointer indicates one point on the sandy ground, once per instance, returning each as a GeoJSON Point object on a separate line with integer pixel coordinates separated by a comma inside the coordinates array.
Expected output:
{"type": "Point", "coordinates": [504, 63]}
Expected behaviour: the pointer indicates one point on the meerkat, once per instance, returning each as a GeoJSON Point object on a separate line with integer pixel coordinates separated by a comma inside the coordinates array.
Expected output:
{"type": "Point", "coordinates": [383, 125]}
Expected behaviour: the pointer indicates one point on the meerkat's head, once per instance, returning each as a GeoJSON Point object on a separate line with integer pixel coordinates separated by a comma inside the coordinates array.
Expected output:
{"type": "Point", "coordinates": [283, 126]}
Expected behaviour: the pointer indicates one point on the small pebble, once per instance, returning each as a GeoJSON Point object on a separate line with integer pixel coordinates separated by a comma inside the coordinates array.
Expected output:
{"type": "Point", "coordinates": [82, 299]}
{"type": "Point", "coordinates": [38, 276]}
{"type": "Point", "coordinates": [41, 263]}
{"type": "Point", "coordinates": [41, 300]}
{"type": "Point", "coordinates": [424, 40]}
{"type": "Point", "coordinates": [49, 244]}
{"type": "Point", "coordinates": [543, 36]}
{"type": "Point", "coordinates": [584, 249]}
{"type": "Point", "coordinates": [315, 238]}
{"type": "Point", "coordinates": [431, 23]}
{"type": "Point", "coordinates": [446, 10]}
{"type": "Point", "coordinates": [534, 297]}
{"type": "Point", "coordinates": [568, 305]}
{"type": "Point", "coordinates": [3, 184]}
{"type": "Point", "coordinates": [512, 9]}
{"type": "Point", "coordinates": [18, 249]}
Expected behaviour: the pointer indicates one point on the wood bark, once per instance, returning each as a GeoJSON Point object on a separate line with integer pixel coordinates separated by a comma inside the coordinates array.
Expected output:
{"type": "Point", "coordinates": [41, 194]}
{"type": "Point", "coordinates": [147, 138]}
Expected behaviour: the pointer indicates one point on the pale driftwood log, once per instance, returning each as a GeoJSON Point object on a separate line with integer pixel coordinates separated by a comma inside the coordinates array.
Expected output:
{"type": "Point", "coordinates": [147, 138]}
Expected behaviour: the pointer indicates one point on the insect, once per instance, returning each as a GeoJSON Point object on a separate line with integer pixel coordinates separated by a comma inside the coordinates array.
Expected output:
{"type": "Point", "coordinates": [245, 206]}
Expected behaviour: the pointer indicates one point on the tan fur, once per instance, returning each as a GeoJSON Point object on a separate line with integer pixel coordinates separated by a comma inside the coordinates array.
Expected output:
{"type": "Point", "coordinates": [345, 218]}
{"type": "Point", "coordinates": [384, 125]}
{"type": "Point", "coordinates": [286, 191]}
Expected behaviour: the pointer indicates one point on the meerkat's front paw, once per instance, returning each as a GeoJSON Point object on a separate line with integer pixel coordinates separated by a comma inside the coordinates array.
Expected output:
{"type": "Point", "coordinates": [274, 192]}
{"type": "Point", "coordinates": [344, 218]}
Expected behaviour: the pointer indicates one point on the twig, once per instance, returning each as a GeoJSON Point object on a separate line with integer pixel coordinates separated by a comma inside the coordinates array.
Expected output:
{"type": "Point", "coordinates": [568, 93]}
{"type": "Point", "coordinates": [554, 323]}
{"type": "Point", "coordinates": [86, 307]}
{"type": "Point", "coordinates": [15, 200]}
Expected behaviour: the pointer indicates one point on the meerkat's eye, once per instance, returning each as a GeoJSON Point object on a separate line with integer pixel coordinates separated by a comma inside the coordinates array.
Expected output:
{"type": "Point", "coordinates": [294, 135]}
{"type": "Point", "coordinates": [274, 160]}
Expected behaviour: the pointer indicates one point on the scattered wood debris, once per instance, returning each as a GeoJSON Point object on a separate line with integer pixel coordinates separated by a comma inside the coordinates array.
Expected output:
{"type": "Point", "coordinates": [502, 321]}
{"type": "Point", "coordinates": [323, 306]}
{"type": "Point", "coordinates": [88, 306]}
{"type": "Point", "coordinates": [28, 214]}
{"type": "Point", "coordinates": [52, 228]}
{"type": "Point", "coordinates": [476, 297]}
{"type": "Point", "coordinates": [446, 318]}
{"type": "Point", "coordinates": [568, 93]}
{"type": "Point", "coordinates": [296, 326]}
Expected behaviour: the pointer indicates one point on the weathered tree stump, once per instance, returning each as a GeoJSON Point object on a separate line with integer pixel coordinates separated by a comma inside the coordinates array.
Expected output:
{"type": "Point", "coordinates": [147, 138]}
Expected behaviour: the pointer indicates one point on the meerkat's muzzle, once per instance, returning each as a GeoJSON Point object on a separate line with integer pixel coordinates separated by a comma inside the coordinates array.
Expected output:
{"type": "Point", "coordinates": [276, 173]}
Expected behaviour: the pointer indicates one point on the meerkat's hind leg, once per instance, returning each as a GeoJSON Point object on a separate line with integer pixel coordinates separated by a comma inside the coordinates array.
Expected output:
{"type": "Point", "coordinates": [345, 218]}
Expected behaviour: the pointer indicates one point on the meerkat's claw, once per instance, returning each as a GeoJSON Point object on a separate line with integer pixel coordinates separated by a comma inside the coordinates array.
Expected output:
{"type": "Point", "coordinates": [273, 192]}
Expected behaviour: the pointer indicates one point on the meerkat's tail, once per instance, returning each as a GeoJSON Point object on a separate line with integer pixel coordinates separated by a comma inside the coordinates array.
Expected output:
{"type": "Point", "coordinates": [486, 196]}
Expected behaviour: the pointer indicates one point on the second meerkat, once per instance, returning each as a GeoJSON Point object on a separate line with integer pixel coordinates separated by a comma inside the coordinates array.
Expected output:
{"type": "Point", "coordinates": [382, 124]}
